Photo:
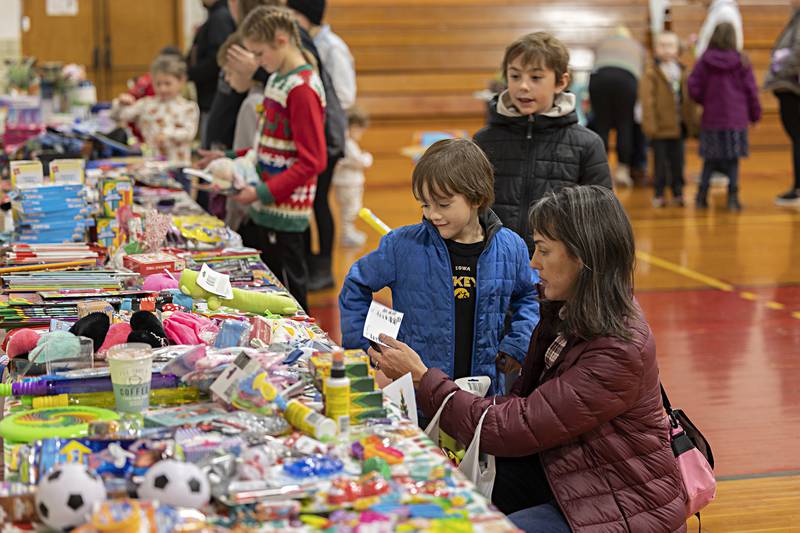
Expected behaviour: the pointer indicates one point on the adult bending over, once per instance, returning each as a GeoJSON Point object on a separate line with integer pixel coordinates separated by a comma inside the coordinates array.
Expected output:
{"type": "Point", "coordinates": [582, 441]}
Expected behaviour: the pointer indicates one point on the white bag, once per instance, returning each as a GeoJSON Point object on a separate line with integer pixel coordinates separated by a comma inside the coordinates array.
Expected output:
{"type": "Point", "coordinates": [482, 476]}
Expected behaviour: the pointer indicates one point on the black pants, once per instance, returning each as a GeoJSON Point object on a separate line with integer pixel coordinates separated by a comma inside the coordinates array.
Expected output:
{"type": "Point", "coordinates": [323, 218]}
{"type": "Point", "coordinates": [520, 483]}
{"type": "Point", "coordinates": [613, 92]}
{"type": "Point", "coordinates": [790, 117]}
{"type": "Point", "coordinates": [729, 167]}
{"type": "Point", "coordinates": [284, 252]}
{"type": "Point", "coordinates": [669, 161]}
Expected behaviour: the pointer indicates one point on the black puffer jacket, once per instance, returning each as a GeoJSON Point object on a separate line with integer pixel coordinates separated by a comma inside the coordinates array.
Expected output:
{"type": "Point", "coordinates": [536, 154]}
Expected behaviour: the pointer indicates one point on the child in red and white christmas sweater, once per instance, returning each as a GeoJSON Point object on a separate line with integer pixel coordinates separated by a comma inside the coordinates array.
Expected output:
{"type": "Point", "coordinates": [280, 171]}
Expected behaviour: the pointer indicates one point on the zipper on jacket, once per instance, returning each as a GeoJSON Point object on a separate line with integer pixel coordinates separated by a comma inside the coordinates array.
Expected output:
{"type": "Point", "coordinates": [522, 223]}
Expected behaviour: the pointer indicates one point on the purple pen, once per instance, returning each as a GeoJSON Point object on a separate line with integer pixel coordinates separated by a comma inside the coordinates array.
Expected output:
{"type": "Point", "coordinates": [75, 386]}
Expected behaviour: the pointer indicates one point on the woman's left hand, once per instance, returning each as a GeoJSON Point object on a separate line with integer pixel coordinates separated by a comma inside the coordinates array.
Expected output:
{"type": "Point", "coordinates": [397, 359]}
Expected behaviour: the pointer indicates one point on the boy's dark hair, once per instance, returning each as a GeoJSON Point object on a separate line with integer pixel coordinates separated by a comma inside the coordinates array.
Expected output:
{"type": "Point", "coordinates": [171, 51]}
{"type": "Point", "coordinates": [454, 166]}
{"type": "Point", "coordinates": [246, 6]}
{"type": "Point", "coordinates": [593, 226]}
{"type": "Point", "coordinates": [540, 49]}
{"type": "Point", "coordinates": [357, 116]}
{"type": "Point", "coordinates": [724, 37]}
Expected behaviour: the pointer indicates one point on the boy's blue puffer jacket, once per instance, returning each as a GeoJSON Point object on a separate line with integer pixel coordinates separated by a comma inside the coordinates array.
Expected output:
{"type": "Point", "coordinates": [414, 262]}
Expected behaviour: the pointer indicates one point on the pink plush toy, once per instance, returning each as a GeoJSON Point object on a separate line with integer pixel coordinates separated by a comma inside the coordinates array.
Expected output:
{"type": "Point", "coordinates": [117, 334]}
{"type": "Point", "coordinates": [159, 282]}
{"type": "Point", "coordinates": [21, 342]}
{"type": "Point", "coordinates": [185, 328]}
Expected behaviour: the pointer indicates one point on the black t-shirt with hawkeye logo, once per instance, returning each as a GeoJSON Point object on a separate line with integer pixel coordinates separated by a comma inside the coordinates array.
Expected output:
{"type": "Point", "coordinates": [464, 258]}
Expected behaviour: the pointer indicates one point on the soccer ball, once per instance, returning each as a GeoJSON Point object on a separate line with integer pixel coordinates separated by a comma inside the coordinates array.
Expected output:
{"type": "Point", "coordinates": [66, 495]}
{"type": "Point", "coordinates": [175, 483]}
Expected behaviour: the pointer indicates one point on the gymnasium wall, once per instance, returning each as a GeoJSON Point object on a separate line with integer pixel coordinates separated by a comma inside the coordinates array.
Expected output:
{"type": "Point", "coordinates": [420, 61]}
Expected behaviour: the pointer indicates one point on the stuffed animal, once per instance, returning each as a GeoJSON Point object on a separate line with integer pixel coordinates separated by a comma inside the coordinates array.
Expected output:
{"type": "Point", "coordinates": [144, 327]}
{"type": "Point", "coordinates": [249, 301]}
{"type": "Point", "coordinates": [22, 341]}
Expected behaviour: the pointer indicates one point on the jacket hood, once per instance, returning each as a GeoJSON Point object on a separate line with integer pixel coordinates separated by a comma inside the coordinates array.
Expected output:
{"type": "Point", "coordinates": [502, 112]}
{"type": "Point", "coordinates": [722, 59]}
{"type": "Point", "coordinates": [563, 105]}
{"type": "Point", "coordinates": [490, 223]}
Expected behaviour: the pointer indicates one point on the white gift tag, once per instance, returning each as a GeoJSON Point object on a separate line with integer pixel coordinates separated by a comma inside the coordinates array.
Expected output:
{"type": "Point", "coordinates": [215, 283]}
{"type": "Point", "coordinates": [227, 383]}
{"type": "Point", "coordinates": [381, 319]}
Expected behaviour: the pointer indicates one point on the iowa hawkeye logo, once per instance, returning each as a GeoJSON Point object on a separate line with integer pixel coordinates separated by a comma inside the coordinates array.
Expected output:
{"type": "Point", "coordinates": [462, 287]}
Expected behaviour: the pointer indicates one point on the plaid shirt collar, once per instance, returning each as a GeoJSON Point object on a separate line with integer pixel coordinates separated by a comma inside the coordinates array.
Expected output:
{"type": "Point", "coordinates": [558, 345]}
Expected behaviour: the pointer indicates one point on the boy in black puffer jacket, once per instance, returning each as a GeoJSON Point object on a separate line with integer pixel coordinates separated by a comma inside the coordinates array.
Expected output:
{"type": "Point", "coordinates": [533, 139]}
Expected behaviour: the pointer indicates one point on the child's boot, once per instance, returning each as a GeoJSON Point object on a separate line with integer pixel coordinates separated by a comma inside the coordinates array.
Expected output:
{"type": "Point", "coordinates": [622, 177]}
{"type": "Point", "coordinates": [733, 201]}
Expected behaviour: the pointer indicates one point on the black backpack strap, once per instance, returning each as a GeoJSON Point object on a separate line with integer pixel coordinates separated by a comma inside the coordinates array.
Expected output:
{"type": "Point", "coordinates": [668, 406]}
{"type": "Point", "coordinates": [665, 399]}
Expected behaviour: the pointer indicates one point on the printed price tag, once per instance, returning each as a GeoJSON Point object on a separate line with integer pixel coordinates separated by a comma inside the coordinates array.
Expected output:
{"type": "Point", "coordinates": [381, 319]}
{"type": "Point", "coordinates": [215, 283]}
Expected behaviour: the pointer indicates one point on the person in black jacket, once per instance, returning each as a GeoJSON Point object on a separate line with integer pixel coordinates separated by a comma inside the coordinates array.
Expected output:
{"type": "Point", "coordinates": [202, 59]}
{"type": "Point", "coordinates": [533, 138]}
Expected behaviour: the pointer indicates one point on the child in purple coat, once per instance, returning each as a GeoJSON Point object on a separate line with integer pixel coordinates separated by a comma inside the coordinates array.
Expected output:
{"type": "Point", "coordinates": [723, 82]}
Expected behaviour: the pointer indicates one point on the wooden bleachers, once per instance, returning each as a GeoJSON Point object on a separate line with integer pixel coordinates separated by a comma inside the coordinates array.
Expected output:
{"type": "Point", "coordinates": [419, 62]}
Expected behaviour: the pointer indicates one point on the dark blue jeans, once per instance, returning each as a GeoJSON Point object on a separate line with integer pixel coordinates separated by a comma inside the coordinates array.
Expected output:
{"type": "Point", "coordinates": [545, 518]}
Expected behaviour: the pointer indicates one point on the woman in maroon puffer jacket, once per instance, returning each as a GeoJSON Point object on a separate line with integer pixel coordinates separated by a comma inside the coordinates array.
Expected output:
{"type": "Point", "coordinates": [582, 441]}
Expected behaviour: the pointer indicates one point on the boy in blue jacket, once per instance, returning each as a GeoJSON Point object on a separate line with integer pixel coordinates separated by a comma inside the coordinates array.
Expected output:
{"type": "Point", "coordinates": [455, 275]}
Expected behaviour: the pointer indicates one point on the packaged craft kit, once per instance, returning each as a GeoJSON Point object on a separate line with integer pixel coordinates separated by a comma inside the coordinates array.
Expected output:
{"type": "Point", "coordinates": [158, 377]}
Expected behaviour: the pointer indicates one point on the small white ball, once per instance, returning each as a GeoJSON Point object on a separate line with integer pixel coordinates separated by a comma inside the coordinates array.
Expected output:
{"type": "Point", "coordinates": [175, 483]}
{"type": "Point", "coordinates": [66, 495]}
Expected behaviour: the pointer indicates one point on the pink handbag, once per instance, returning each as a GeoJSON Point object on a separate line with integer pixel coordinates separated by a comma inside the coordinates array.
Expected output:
{"type": "Point", "coordinates": [694, 457]}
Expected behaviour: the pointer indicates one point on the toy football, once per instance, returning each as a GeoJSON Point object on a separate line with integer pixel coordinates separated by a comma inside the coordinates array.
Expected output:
{"type": "Point", "coordinates": [67, 494]}
{"type": "Point", "coordinates": [175, 483]}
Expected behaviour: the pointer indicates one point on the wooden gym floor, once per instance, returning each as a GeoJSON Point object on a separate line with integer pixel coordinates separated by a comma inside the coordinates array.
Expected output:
{"type": "Point", "coordinates": [722, 294]}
